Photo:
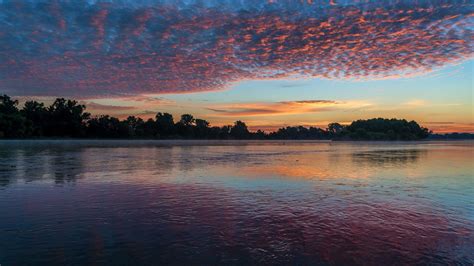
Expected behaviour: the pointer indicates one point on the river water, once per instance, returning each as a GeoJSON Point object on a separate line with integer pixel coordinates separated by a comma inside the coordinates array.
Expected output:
{"type": "Point", "coordinates": [236, 202]}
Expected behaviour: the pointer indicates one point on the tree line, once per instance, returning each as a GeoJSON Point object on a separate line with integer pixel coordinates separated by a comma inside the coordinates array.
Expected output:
{"type": "Point", "coordinates": [68, 119]}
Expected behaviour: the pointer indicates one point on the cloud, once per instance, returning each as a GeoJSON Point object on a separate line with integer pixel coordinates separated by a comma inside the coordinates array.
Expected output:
{"type": "Point", "coordinates": [283, 108]}
{"type": "Point", "coordinates": [311, 102]}
{"type": "Point", "coordinates": [415, 103]}
{"type": "Point", "coordinates": [449, 127]}
{"type": "Point", "coordinates": [439, 123]}
{"type": "Point", "coordinates": [125, 106]}
{"type": "Point", "coordinates": [89, 49]}
{"type": "Point", "coordinates": [96, 107]}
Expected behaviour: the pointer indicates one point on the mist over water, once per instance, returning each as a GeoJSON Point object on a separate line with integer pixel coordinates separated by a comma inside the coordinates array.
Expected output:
{"type": "Point", "coordinates": [161, 202]}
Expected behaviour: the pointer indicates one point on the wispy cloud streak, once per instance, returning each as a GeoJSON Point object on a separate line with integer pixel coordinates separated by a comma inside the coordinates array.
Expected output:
{"type": "Point", "coordinates": [284, 108]}
{"type": "Point", "coordinates": [119, 48]}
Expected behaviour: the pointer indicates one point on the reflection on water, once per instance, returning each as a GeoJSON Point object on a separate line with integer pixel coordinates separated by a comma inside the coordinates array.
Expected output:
{"type": "Point", "coordinates": [388, 157]}
{"type": "Point", "coordinates": [153, 202]}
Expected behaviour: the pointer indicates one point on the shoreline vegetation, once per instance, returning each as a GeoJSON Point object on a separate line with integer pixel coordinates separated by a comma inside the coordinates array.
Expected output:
{"type": "Point", "coordinates": [68, 119]}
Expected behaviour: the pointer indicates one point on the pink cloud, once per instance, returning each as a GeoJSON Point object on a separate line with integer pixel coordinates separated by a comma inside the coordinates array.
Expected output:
{"type": "Point", "coordinates": [120, 49]}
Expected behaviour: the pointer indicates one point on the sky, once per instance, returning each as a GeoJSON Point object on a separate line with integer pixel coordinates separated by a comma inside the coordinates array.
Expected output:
{"type": "Point", "coordinates": [270, 63]}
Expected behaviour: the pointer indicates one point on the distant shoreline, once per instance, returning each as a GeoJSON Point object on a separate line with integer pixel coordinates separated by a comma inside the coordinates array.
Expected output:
{"type": "Point", "coordinates": [224, 140]}
{"type": "Point", "coordinates": [66, 119]}
{"type": "Point", "coordinates": [229, 140]}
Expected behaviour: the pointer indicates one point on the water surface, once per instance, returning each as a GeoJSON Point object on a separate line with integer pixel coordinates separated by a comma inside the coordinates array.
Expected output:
{"type": "Point", "coordinates": [236, 202]}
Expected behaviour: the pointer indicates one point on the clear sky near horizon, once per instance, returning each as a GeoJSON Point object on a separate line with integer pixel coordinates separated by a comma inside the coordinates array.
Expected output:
{"type": "Point", "coordinates": [268, 63]}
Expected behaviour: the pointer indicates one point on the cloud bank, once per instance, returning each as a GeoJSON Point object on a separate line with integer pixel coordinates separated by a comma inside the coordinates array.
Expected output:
{"type": "Point", "coordinates": [117, 48]}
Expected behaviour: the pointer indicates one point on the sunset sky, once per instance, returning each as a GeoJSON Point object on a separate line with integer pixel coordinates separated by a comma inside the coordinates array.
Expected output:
{"type": "Point", "coordinates": [268, 63]}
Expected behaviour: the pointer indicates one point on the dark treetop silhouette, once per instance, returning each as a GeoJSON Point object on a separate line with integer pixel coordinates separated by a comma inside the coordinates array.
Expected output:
{"type": "Point", "coordinates": [68, 119]}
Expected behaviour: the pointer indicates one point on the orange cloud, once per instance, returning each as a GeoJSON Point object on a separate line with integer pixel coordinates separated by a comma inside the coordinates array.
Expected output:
{"type": "Point", "coordinates": [140, 105]}
{"type": "Point", "coordinates": [283, 108]}
{"type": "Point", "coordinates": [449, 127]}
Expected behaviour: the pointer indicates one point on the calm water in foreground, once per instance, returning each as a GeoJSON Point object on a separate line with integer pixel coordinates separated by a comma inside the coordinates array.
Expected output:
{"type": "Point", "coordinates": [152, 202]}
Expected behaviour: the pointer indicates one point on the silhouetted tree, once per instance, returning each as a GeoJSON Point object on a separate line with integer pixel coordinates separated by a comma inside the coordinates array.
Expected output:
{"type": "Point", "coordinates": [299, 132]}
{"type": "Point", "coordinates": [259, 135]}
{"type": "Point", "coordinates": [7, 105]}
{"type": "Point", "coordinates": [449, 136]}
{"type": "Point", "coordinates": [239, 130]}
{"type": "Point", "coordinates": [384, 129]}
{"type": "Point", "coordinates": [150, 128]}
{"type": "Point", "coordinates": [335, 129]}
{"type": "Point", "coordinates": [318, 133]}
{"type": "Point", "coordinates": [105, 126]}
{"type": "Point", "coordinates": [202, 128]}
{"type": "Point", "coordinates": [165, 124]}
{"type": "Point", "coordinates": [66, 118]}
{"type": "Point", "coordinates": [187, 120]}
{"type": "Point", "coordinates": [37, 114]}
{"type": "Point", "coordinates": [184, 128]}
{"type": "Point", "coordinates": [136, 126]}
{"type": "Point", "coordinates": [224, 132]}
{"type": "Point", "coordinates": [12, 123]}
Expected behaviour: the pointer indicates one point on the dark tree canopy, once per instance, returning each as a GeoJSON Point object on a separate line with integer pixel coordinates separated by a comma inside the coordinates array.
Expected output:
{"type": "Point", "coordinates": [335, 128]}
{"type": "Point", "coordinates": [165, 123]}
{"type": "Point", "coordinates": [68, 119]}
{"type": "Point", "coordinates": [239, 130]}
{"type": "Point", "coordinates": [384, 129]}
{"type": "Point", "coordinates": [12, 123]}
{"type": "Point", "coordinates": [187, 120]}
{"type": "Point", "coordinates": [36, 113]}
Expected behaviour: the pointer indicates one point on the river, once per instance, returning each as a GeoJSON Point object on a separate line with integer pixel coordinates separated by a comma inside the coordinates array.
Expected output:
{"type": "Point", "coordinates": [236, 202]}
